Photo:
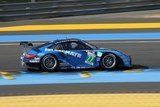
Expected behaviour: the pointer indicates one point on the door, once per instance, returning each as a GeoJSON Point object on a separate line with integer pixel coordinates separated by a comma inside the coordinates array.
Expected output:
{"type": "Point", "coordinates": [78, 55]}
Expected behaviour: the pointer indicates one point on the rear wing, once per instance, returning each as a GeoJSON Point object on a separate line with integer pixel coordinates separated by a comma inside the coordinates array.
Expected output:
{"type": "Point", "coordinates": [25, 45]}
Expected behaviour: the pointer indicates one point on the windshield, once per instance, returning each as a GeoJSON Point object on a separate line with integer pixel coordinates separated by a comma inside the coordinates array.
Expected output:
{"type": "Point", "coordinates": [90, 45]}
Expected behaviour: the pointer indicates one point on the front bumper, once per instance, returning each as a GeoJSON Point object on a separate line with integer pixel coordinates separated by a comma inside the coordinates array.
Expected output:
{"type": "Point", "coordinates": [127, 61]}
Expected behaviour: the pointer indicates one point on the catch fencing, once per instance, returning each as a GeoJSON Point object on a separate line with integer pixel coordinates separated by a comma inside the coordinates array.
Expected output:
{"type": "Point", "coordinates": [62, 8]}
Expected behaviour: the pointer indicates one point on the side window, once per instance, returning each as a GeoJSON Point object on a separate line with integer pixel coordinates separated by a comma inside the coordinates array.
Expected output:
{"type": "Point", "coordinates": [59, 47]}
{"type": "Point", "coordinates": [78, 46]}
{"type": "Point", "coordinates": [62, 46]}
{"type": "Point", "coordinates": [72, 45]}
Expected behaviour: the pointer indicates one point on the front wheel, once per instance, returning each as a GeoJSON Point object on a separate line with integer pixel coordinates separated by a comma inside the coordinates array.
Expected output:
{"type": "Point", "coordinates": [108, 61]}
{"type": "Point", "coordinates": [49, 63]}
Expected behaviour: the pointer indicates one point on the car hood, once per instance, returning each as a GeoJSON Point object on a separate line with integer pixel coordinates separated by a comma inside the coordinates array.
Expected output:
{"type": "Point", "coordinates": [109, 50]}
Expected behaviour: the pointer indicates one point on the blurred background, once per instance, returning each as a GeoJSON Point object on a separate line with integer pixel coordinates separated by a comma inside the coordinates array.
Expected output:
{"type": "Point", "coordinates": [32, 9]}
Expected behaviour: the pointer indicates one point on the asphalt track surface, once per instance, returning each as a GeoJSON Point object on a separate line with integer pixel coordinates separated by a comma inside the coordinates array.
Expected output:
{"type": "Point", "coordinates": [145, 54]}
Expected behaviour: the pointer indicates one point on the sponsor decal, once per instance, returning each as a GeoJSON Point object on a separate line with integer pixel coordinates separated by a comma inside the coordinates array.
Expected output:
{"type": "Point", "coordinates": [48, 50]}
{"type": "Point", "coordinates": [90, 58]}
{"type": "Point", "coordinates": [75, 54]}
{"type": "Point", "coordinates": [98, 58]}
{"type": "Point", "coordinates": [99, 54]}
{"type": "Point", "coordinates": [35, 60]}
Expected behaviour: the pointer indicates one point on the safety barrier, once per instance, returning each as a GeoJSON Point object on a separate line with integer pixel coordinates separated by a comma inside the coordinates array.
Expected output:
{"type": "Point", "coordinates": [60, 8]}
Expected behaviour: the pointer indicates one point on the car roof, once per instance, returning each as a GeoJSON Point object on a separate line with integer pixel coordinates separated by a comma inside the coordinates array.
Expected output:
{"type": "Point", "coordinates": [65, 40]}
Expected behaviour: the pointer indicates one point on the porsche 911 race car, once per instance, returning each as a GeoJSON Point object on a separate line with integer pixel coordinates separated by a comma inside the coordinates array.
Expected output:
{"type": "Point", "coordinates": [71, 53]}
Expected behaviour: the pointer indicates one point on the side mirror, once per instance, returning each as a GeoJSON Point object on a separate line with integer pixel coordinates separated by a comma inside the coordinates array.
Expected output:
{"type": "Point", "coordinates": [30, 44]}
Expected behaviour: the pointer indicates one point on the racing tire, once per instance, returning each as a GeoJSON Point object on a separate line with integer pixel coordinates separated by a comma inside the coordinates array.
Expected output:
{"type": "Point", "coordinates": [108, 61]}
{"type": "Point", "coordinates": [49, 63]}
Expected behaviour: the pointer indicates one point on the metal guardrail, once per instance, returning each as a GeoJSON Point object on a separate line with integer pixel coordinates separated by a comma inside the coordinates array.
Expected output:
{"type": "Point", "coordinates": [60, 8]}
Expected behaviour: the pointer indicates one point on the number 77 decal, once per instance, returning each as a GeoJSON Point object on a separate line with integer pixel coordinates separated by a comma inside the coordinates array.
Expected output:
{"type": "Point", "coordinates": [90, 58]}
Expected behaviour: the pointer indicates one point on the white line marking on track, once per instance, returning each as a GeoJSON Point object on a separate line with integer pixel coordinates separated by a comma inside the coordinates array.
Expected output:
{"type": "Point", "coordinates": [16, 44]}
{"type": "Point", "coordinates": [101, 42]}
{"type": "Point", "coordinates": [121, 42]}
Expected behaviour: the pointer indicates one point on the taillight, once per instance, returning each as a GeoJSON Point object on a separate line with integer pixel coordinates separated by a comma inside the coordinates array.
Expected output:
{"type": "Point", "coordinates": [29, 56]}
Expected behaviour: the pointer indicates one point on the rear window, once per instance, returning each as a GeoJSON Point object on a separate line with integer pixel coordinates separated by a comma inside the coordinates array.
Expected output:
{"type": "Point", "coordinates": [45, 44]}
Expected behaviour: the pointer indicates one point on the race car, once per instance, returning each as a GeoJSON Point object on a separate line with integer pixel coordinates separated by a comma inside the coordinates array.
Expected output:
{"type": "Point", "coordinates": [71, 54]}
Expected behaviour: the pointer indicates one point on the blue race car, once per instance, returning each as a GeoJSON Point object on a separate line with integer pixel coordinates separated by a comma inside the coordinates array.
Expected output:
{"type": "Point", "coordinates": [72, 53]}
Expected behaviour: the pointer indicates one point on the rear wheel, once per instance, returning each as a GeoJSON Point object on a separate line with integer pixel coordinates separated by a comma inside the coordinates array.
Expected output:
{"type": "Point", "coordinates": [108, 61]}
{"type": "Point", "coordinates": [49, 63]}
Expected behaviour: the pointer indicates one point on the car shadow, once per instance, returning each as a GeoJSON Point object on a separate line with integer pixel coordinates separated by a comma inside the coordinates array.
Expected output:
{"type": "Point", "coordinates": [140, 67]}
{"type": "Point", "coordinates": [87, 70]}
